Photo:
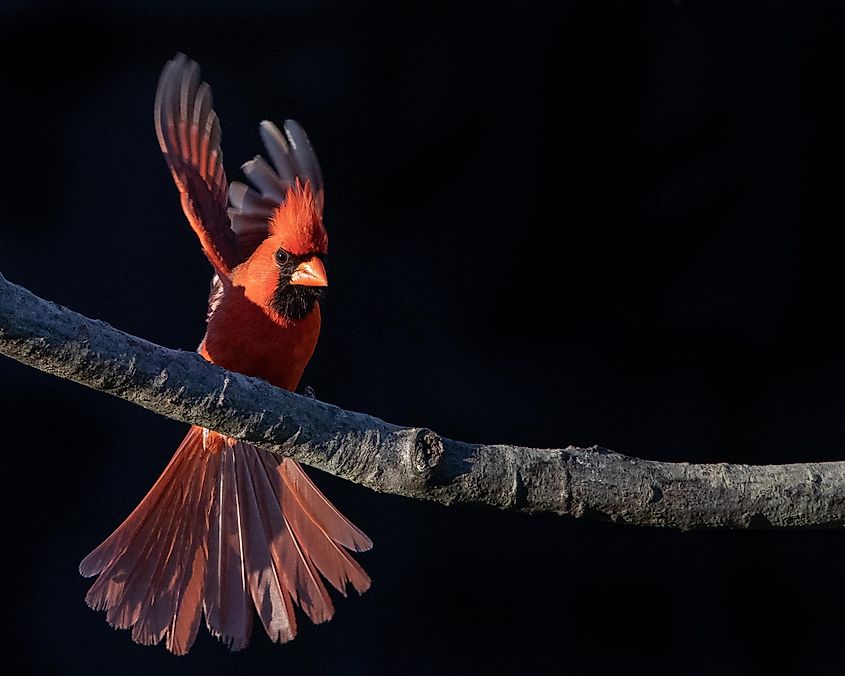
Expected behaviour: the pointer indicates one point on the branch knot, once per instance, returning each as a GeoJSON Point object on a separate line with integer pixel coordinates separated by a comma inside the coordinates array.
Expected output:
{"type": "Point", "coordinates": [427, 451]}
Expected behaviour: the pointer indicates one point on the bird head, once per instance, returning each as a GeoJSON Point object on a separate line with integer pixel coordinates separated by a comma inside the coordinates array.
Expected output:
{"type": "Point", "coordinates": [285, 274]}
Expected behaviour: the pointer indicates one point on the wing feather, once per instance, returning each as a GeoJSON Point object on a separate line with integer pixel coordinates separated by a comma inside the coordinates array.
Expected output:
{"type": "Point", "coordinates": [188, 132]}
{"type": "Point", "coordinates": [304, 156]}
{"type": "Point", "coordinates": [265, 179]}
{"type": "Point", "coordinates": [293, 161]}
{"type": "Point", "coordinates": [278, 150]}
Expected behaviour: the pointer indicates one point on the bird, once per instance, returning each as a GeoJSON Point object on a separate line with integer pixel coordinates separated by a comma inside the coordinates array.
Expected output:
{"type": "Point", "coordinates": [230, 530]}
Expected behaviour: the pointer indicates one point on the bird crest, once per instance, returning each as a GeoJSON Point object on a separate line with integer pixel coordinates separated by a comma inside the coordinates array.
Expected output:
{"type": "Point", "coordinates": [298, 221]}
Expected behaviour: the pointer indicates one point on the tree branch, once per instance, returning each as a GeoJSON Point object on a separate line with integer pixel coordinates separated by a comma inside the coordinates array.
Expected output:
{"type": "Point", "coordinates": [415, 462]}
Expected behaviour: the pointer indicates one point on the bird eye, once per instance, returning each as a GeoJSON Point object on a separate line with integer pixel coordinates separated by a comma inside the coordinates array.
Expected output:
{"type": "Point", "coordinates": [282, 257]}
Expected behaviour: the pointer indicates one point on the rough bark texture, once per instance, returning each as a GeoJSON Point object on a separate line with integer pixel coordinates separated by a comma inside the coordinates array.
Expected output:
{"type": "Point", "coordinates": [415, 462]}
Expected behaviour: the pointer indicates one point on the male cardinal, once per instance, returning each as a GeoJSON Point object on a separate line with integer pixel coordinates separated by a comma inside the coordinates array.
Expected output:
{"type": "Point", "coordinates": [228, 525]}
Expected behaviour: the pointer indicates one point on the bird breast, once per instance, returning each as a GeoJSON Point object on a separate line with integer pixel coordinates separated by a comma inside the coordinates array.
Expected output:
{"type": "Point", "coordinates": [243, 337]}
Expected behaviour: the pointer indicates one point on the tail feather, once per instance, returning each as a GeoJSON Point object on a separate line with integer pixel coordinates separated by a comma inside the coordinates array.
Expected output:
{"type": "Point", "coordinates": [139, 564]}
{"type": "Point", "coordinates": [227, 612]}
{"type": "Point", "coordinates": [175, 557]}
{"type": "Point", "coordinates": [114, 544]}
{"type": "Point", "coordinates": [144, 617]}
{"type": "Point", "coordinates": [186, 618]}
{"type": "Point", "coordinates": [268, 593]}
{"type": "Point", "coordinates": [297, 571]}
{"type": "Point", "coordinates": [336, 526]}
{"type": "Point", "coordinates": [187, 610]}
{"type": "Point", "coordinates": [108, 592]}
{"type": "Point", "coordinates": [226, 527]}
{"type": "Point", "coordinates": [332, 561]}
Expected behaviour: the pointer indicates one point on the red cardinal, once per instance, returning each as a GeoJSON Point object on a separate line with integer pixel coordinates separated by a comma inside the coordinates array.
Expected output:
{"type": "Point", "coordinates": [229, 526]}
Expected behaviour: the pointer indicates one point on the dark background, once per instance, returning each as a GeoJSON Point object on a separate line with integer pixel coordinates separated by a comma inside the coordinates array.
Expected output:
{"type": "Point", "coordinates": [551, 223]}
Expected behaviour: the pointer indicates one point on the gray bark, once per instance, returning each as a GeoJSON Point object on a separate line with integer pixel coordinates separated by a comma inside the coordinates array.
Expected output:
{"type": "Point", "coordinates": [415, 462]}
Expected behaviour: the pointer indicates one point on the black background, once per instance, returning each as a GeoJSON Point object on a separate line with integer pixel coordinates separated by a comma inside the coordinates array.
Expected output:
{"type": "Point", "coordinates": [593, 222]}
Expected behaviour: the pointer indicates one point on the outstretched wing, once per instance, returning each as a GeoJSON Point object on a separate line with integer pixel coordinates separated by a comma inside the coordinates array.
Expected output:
{"type": "Point", "coordinates": [189, 134]}
{"type": "Point", "coordinates": [293, 160]}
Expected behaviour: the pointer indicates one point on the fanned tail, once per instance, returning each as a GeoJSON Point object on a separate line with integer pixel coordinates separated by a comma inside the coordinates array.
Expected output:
{"type": "Point", "coordinates": [226, 528]}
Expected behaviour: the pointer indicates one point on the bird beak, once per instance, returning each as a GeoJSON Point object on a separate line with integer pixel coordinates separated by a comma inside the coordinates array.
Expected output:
{"type": "Point", "coordinates": [311, 272]}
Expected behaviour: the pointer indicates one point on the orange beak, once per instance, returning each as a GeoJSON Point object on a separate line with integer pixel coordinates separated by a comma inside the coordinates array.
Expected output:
{"type": "Point", "coordinates": [311, 272]}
